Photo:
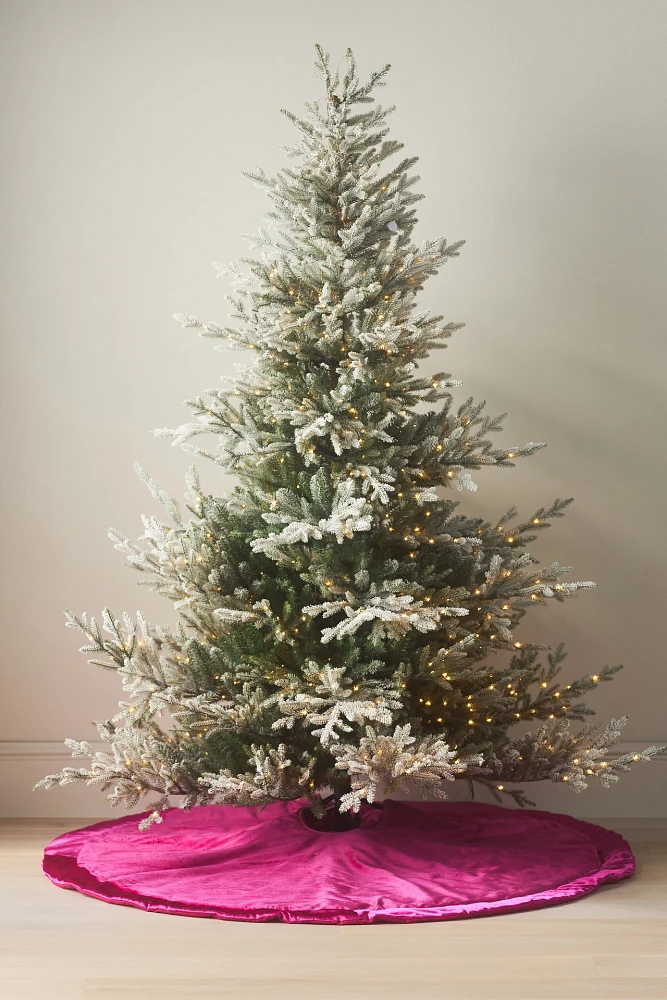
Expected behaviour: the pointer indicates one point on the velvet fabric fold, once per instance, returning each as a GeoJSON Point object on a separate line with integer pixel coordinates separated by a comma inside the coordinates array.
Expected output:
{"type": "Point", "coordinates": [406, 862]}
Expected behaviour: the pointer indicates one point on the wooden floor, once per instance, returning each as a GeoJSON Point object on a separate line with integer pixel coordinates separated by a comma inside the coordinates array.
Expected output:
{"type": "Point", "coordinates": [61, 945]}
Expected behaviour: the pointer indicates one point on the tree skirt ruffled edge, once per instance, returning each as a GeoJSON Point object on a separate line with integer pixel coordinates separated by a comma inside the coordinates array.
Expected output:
{"type": "Point", "coordinates": [407, 862]}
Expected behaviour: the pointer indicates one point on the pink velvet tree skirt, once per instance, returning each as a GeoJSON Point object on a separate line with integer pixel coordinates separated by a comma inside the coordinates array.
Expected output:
{"type": "Point", "coordinates": [408, 861]}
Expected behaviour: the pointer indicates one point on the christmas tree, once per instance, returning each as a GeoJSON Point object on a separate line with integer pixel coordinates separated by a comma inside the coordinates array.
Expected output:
{"type": "Point", "coordinates": [345, 629]}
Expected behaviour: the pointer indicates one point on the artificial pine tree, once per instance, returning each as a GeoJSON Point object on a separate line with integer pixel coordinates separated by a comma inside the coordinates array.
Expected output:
{"type": "Point", "coordinates": [345, 629]}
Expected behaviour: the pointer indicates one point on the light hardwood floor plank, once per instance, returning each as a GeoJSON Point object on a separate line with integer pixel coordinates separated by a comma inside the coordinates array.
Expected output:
{"type": "Point", "coordinates": [386, 989]}
{"type": "Point", "coordinates": [650, 964]}
{"type": "Point", "coordinates": [42, 989]}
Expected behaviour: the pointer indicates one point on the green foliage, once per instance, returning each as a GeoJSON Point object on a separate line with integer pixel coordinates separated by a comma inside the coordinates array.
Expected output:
{"type": "Point", "coordinates": [343, 624]}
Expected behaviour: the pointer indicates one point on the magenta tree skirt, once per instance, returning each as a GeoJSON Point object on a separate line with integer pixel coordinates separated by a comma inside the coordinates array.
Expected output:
{"type": "Point", "coordinates": [408, 861]}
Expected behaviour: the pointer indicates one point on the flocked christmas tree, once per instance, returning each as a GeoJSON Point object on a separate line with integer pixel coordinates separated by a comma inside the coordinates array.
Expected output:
{"type": "Point", "coordinates": [345, 629]}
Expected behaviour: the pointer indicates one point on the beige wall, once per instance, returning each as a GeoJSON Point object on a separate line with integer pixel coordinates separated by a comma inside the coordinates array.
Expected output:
{"type": "Point", "coordinates": [541, 132]}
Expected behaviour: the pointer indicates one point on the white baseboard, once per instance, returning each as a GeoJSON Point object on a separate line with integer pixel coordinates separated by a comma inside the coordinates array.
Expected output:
{"type": "Point", "coordinates": [640, 793]}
